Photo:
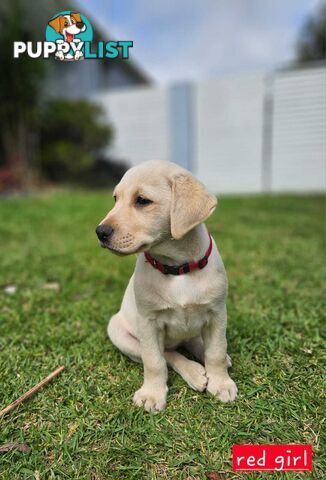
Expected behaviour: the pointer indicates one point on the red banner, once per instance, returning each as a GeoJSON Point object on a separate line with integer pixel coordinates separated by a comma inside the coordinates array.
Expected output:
{"type": "Point", "coordinates": [272, 457]}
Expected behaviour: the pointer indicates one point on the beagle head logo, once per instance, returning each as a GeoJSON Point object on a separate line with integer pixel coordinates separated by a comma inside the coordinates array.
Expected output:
{"type": "Point", "coordinates": [69, 30]}
{"type": "Point", "coordinates": [68, 25]}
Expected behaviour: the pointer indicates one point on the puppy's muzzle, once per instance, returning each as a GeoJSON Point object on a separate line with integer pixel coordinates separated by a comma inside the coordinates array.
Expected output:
{"type": "Point", "coordinates": [104, 232]}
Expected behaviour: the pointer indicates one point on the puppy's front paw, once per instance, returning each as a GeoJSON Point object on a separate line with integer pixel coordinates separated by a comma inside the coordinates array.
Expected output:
{"type": "Point", "coordinates": [153, 399]}
{"type": "Point", "coordinates": [78, 55]}
{"type": "Point", "coordinates": [60, 55]}
{"type": "Point", "coordinates": [222, 387]}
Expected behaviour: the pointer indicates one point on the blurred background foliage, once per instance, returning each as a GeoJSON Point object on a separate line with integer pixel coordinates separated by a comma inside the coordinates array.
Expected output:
{"type": "Point", "coordinates": [43, 140]}
{"type": "Point", "coordinates": [20, 83]}
{"type": "Point", "coordinates": [311, 45]}
{"type": "Point", "coordinates": [71, 137]}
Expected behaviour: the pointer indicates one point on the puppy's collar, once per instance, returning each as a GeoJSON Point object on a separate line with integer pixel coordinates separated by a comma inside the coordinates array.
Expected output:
{"type": "Point", "coordinates": [181, 269]}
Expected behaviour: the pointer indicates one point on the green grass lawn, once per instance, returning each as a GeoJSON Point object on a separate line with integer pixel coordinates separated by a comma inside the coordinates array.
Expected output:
{"type": "Point", "coordinates": [83, 424]}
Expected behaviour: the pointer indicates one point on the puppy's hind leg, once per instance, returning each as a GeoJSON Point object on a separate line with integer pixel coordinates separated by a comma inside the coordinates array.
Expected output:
{"type": "Point", "coordinates": [122, 339]}
{"type": "Point", "coordinates": [192, 372]}
{"type": "Point", "coordinates": [195, 346]}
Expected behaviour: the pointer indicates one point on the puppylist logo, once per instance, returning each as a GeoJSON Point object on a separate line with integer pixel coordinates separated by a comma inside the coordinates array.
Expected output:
{"type": "Point", "coordinates": [69, 37]}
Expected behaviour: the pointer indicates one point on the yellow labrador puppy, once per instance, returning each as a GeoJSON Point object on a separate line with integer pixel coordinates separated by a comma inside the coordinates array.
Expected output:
{"type": "Point", "coordinates": [177, 294]}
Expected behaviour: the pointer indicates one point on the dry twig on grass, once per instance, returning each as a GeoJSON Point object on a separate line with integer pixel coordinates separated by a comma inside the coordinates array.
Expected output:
{"type": "Point", "coordinates": [31, 391]}
{"type": "Point", "coordinates": [21, 447]}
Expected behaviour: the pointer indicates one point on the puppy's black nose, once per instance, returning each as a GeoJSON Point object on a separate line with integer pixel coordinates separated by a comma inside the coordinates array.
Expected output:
{"type": "Point", "coordinates": [104, 232]}
{"type": "Point", "coordinates": [80, 24]}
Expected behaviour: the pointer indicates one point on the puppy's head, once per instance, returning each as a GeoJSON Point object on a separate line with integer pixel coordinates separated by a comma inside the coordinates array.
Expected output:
{"type": "Point", "coordinates": [154, 201]}
{"type": "Point", "coordinates": [72, 24]}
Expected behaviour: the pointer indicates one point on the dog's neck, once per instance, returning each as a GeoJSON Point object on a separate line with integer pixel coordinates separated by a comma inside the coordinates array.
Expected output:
{"type": "Point", "coordinates": [191, 247]}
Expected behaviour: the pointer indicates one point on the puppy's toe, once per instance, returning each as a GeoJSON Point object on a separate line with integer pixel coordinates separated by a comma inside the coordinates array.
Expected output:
{"type": "Point", "coordinates": [195, 376]}
{"type": "Point", "coordinates": [228, 392]}
{"type": "Point", "coordinates": [153, 400]}
{"type": "Point", "coordinates": [225, 389]}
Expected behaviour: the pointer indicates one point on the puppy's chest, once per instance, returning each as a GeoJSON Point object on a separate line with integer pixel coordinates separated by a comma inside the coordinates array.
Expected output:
{"type": "Point", "coordinates": [182, 305]}
{"type": "Point", "coordinates": [183, 322]}
{"type": "Point", "coordinates": [184, 293]}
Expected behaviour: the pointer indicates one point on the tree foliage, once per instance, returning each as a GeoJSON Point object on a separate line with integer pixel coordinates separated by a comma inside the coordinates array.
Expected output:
{"type": "Point", "coordinates": [72, 136]}
{"type": "Point", "coordinates": [312, 40]}
{"type": "Point", "coordinates": [20, 82]}
{"type": "Point", "coordinates": [60, 137]}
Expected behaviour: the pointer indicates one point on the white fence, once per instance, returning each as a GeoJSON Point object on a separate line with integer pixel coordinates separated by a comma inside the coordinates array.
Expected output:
{"type": "Point", "coordinates": [140, 119]}
{"type": "Point", "coordinates": [247, 133]}
{"type": "Point", "coordinates": [299, 131]}
{"type": "Point", "coordinates": [229, 124]}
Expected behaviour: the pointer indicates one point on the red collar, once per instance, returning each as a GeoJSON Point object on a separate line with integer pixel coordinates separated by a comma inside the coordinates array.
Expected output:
{"type": "Point", "coordinates": [181, 269]}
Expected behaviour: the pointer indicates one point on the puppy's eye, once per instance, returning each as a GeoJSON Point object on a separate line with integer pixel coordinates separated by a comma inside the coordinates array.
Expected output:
{"type": "Point", "coordinates": [115, 198]}
{"type": "Point", "coordinates": [66, 24]}
{"type": "Point", "coordinates": [143, 201]}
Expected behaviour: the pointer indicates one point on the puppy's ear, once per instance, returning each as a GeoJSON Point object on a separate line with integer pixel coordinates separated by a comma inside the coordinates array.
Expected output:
{"type": "Point", "coordinates": [76, 16]}
{"type": "Point", "coordinates": [56, 23]}
{"type": "Point", "coordinates": [191, 204]}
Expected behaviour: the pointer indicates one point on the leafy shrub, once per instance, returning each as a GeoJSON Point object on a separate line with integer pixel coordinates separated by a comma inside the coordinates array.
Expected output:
{"type": "Point", "coordinates": [72, 135]}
